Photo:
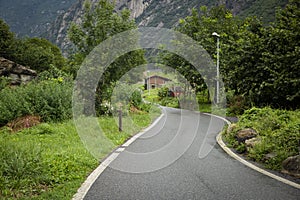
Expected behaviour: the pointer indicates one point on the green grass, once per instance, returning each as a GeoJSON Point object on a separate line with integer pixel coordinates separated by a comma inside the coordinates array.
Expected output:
{"type": "Point", "coordinates": [278, 130]}
{"type": "Point", "coordinates": [49, 161]}
{"type": "Point", "coordinates": [206, 108]}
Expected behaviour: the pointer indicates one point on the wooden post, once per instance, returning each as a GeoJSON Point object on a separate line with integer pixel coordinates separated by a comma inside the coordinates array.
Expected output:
{"type": "Point", "coordinates": [120, 120]}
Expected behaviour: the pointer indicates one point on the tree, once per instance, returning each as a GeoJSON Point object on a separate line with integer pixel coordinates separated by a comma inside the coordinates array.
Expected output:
{"type": "Point", "coordinates": [6, 40]}
{"type": "Point", "coordinates": [200, 25]}
{"type": "Point", "coordinates": [281, 59]}
{"type": "Point", "coordinates": [100, 23]}
{"type": "Point", "coordinates": [258, 63]}
{"type": "Point", "coordinates": [267, 60]}
{"type": "Point", "coordinates": [38, 53]}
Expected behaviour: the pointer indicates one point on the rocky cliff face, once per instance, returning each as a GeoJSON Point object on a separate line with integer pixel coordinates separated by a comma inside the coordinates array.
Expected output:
{"type": "Point", "coordinates": [57, 33]}
{"type": "Point", "coordinates": [159, 13]}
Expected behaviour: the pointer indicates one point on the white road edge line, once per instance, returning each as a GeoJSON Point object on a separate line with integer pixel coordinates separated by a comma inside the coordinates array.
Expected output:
{"type": "Point", "coordinates": [84, 188]}
{"type": "Point", "coordinates": [248, 164]}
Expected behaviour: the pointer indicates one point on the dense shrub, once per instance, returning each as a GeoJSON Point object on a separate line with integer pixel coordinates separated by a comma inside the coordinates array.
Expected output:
{"type": "Point", "coordinates": [278, 130]}
{"type": "Point", "coordinates": [51, 100]}
{"type": "Point", "coordinates": [170, 102]}
{"type": "Point", "coordinates": [165, 98]}
{"type": "Point", "coordinates": [4, 82]}
{"type": "Point", "coordinates": [136, 99]}
{"type": "Point", "coordinates": [163, 93]}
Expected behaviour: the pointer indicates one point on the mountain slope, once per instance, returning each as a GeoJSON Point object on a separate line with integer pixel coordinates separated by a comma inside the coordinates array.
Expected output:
{"type": "Point", "coordinates": [32, 17]}
{"type": "Point", "coordinates": [57, 32]}
{"type": "Point", "coordinates": [52, 18]}
{"type": "Point", "coordinates": [164, 13]}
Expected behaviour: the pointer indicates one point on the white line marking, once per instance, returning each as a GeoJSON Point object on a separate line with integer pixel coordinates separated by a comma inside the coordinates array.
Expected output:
{"type": "Point", "coordinates": [83, 190]}
{"type": "Point", "coordinates": [248, 164]}
{"type": "Point", "coordinates": [232, 154]}
{"type": "Point", "coordinates": [119, 150]}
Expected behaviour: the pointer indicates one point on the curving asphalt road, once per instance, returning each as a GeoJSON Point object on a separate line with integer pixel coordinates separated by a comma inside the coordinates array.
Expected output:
{"type": "Point", "coordinates": [146, 169]}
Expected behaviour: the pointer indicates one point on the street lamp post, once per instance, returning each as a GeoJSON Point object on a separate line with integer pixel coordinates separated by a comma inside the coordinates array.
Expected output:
{"type": "Point", "coordinates": [218, 65]}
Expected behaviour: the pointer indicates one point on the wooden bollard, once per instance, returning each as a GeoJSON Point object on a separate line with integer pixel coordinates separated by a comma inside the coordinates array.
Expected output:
{"type": "Point", "coordinates": [120, 120]}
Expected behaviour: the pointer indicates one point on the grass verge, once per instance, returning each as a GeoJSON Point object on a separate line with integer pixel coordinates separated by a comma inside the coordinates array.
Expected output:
{"type": "Point", "coordinates": [49, 161]}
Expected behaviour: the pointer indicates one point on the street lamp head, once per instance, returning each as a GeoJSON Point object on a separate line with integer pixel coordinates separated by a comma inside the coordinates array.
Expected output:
{"type": "Point", "coordinates": [215, 34]}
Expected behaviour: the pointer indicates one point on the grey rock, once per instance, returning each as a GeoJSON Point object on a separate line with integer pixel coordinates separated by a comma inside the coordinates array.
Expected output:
{"type": "Point", "coordinates": [291, 166]}
{"type": "Point", "coordinates": [18, 73]}
{"type": "Point", "coordinates": [250, 143]}
{"type": "Point", "coordinates": [245, 134]}
{"type": "Point", "coordinates": [269, 156]}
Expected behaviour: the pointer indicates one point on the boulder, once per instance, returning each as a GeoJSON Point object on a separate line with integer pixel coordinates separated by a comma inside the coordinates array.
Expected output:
{"type": "Point", "coordinates": [245, 134]}
{"type": "Point", "coordinates": [250, 143]}
{"type": "Point", "coordinates": [291, 166]}
{"type": "Point", "coordinates": [269, 156]}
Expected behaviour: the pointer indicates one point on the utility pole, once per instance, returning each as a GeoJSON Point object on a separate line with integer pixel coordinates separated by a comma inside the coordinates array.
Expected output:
{"type": "Point", "coordinates": [218, 67]}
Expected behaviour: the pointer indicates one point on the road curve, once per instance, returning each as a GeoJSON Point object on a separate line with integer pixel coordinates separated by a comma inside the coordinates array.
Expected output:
{"type": "Point", "coordinates": [174, 169]}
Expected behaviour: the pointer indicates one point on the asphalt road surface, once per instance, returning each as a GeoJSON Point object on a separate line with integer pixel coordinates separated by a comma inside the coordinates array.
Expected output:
{"type": "Point", "coordinates": [178, 158]}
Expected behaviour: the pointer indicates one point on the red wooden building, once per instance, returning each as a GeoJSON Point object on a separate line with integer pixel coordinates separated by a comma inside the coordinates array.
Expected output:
{"type": "Point", "coordinates": [156, 81]}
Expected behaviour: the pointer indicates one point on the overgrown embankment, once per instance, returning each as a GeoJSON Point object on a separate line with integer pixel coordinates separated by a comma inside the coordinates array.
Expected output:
{"type": "Point", "coordinates": [273, 135]}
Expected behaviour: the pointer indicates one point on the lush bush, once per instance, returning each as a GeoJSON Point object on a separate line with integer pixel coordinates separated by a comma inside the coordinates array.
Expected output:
{"type": "Point", "coordinates": [136, 99]}
{"type": "Point", "coordinates": [51, 100]}
{"type": "Point", "coordinates": [203, 97]}
{"type": "Point", "coordinates": [163, 93]}
{"type": "Point", "coordinates": [165, 99]}
{"type": "Point", "coordinates": [170, 102]}
{"type": "Point", "coordinates": [278, 133]}
{"type": "Point", "coordinates": [4, 82]}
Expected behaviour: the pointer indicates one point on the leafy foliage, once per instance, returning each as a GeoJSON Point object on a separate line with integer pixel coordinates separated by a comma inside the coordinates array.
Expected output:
{"type": "Point", "coordinates": [163, 92]}
{"type": "Point", "coordinates": [260, 64]}
{"type": "Point", "coordinates": [51, 100]}
{"type": "Point", "coordinates": [6, 39]}
{"type": "Point", "coordinates": [36, 53]}
{"type": "Point", "coordinates": [100, 23]}
{"type": "Point", "coordinates": [136, 99]}
{"type": "Point", "coordinates": [278, 131]}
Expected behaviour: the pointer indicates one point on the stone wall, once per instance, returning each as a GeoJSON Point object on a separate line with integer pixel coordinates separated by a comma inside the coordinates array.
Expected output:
{"type": "Point", "coordinates": [18, 73]}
